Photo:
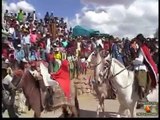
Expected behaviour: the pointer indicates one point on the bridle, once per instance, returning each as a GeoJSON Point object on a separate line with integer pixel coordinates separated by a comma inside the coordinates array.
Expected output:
{"type": "Point", "coordinates": [110, 76]}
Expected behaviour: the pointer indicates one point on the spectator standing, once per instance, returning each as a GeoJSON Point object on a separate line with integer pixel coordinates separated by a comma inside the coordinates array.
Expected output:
{"type": "Point", "coordinates": [19, 54]}
{"type": "Point", "coordinates": [20, 16]}
{"type": "Point", "coordinates": [26, 43]}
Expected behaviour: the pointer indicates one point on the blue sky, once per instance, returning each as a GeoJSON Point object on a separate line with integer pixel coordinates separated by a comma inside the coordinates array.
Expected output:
{"type": "Point", "coordinates": [61, 8]}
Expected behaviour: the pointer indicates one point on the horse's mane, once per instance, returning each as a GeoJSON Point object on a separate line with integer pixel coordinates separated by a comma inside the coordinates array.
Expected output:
{"type": "Point", "coordinates": [119, 63]}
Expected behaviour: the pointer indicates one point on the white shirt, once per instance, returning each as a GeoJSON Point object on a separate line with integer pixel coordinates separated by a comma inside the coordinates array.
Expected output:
{"type": "Point", "coordinates": [7, 80]}
{"type": "Point", "coordinates": [48, 47]}
{"type": "Point", "coordinates": [138, 62]}
{"type": "Point", "coordinates": [83, 60]}
{"type": "Point", "coordinates": [11, 30]}
{"type": "Point", "coordinates": [99, 42]}
{"type": "Point", "coordinates": [79, 46]}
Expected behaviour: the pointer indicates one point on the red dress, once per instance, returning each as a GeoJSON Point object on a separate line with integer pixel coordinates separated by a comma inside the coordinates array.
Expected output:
{"type": "Point", "coordinates": [62, 76]}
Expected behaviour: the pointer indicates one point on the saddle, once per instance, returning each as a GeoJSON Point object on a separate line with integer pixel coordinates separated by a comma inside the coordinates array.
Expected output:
{"type": "Point", "coordinates": [51, 97]}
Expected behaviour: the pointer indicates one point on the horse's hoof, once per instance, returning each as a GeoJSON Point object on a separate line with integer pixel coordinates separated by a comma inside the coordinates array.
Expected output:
{"type": "Point", "coordinates": [118, 116]}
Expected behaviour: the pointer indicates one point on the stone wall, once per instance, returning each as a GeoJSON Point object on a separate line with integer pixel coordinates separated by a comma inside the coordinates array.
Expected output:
{"type": "Point", "coordinates": [82, 86]}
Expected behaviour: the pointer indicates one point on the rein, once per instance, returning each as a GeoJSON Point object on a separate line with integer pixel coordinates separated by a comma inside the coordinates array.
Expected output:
{"type": "Point", "coordinates": [111, 77]}
{"type": "Point", "coordinates": [16, 86]}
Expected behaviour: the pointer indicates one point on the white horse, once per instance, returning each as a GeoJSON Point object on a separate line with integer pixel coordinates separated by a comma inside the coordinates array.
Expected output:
{"type": "Point", "coordinates": [123, 81]}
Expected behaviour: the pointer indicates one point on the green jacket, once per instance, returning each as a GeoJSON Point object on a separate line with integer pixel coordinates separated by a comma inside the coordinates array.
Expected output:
{"type": "Point", "coordinates": [20, 17]}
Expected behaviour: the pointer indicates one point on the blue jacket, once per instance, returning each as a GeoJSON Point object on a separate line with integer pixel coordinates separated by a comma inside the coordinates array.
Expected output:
{"type": "Point", "coordinates": [32, 56]}
{"type": "Point", "coordinates": [19, 55]}
{"type": "Point", "coordinates": [116, 54]}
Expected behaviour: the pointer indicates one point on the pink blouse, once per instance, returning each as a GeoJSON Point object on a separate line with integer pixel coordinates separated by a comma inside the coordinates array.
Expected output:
{"type": "Point", "coordinates": [33, 38]}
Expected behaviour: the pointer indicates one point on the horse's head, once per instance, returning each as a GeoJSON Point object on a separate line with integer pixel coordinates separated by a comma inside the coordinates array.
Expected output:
{"type": "Point", "coordinates": [98, 63]}
{"type": "Point", "coordinates": [102, 68]}
{"type": "Point", "coordinates": [17, 76]}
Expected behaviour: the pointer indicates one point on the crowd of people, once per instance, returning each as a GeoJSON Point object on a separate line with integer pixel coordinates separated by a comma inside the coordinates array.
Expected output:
{"type": "Point", "coordinates": [30, 39]}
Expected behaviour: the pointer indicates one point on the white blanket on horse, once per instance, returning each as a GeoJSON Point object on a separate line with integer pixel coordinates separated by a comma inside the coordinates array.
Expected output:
{"type": "Point", "coordinates": [46, 76]}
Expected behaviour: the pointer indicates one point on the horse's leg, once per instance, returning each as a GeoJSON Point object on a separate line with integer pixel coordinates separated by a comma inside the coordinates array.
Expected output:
{"type": "Point", "coordinates": [64, 111]}
{"type": "Point", "coordinates": [77, 106]}
{"type": "Point", "coordinates": [102, 104]}
{"type": "Point", "coordinates": [99, 108]}
{"type": "Point", "coordinates": [133, 110]}
{"type": "Point", "coordinates": [103, 109]}
{"type": "Point", "coordinates": [74, 111]}
{"type": "Point", "coordinates": [37, 114]}
{"type": "Point", "coordinates": [37, 109]}
{"type": "Point", "coordinates": [121, 110]}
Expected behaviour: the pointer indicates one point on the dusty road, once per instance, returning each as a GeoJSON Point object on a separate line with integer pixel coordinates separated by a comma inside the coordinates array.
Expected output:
{"type": "Point", "coordinates": [88, 105]}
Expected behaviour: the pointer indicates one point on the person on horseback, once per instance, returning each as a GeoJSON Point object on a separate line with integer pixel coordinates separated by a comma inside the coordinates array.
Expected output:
{"type": "Point", "coordinates": [145, 68]}
{"type": "Point", "coordinates": [116, 51]}
{"type": "Point", "coordinates": [8, 95]}
{"type": "Point", "coordinates": [34, 71]}
{"type": "Point", "coordinates": [39, 75]}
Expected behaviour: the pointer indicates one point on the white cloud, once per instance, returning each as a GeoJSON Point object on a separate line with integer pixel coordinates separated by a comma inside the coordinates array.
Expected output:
{"type": "Point", "coordinates": [113, 17]}
{"type": "Point", "coordinates": [107, 2]}
{"type": "Point", "coordinates": [14, 7]}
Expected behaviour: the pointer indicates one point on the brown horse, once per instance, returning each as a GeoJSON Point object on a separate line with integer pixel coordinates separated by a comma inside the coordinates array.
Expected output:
{"type": "Point", "coordinates": [32, 91]}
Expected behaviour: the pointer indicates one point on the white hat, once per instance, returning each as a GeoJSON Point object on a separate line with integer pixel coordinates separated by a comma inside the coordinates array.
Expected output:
{"type": "Point", "coordinates": [19, 45]}
{"type": "Point", "coordinates": [44, 35]}
{"type": "Point", "coordinates": [17, 22]}
{"type": "Point", "coordinates": [6, 61]}
{"type": "Point", "coordinates": [34, 29]}
{"type": "Point", "coordinates": [24, 60]}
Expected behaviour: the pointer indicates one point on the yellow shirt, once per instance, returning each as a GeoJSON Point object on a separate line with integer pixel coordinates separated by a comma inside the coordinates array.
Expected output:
{"type": "Point", "coordinates": [58, 56]}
